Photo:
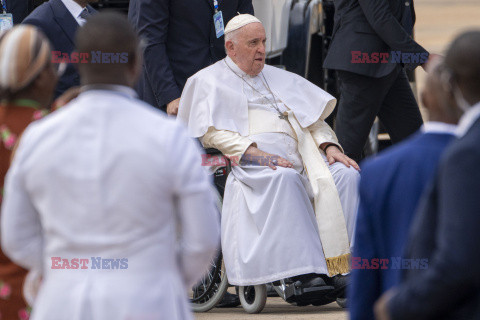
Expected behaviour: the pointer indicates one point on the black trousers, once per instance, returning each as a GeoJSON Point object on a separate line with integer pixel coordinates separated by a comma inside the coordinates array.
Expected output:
{"type": "Point", "coordinates": [362, 98]}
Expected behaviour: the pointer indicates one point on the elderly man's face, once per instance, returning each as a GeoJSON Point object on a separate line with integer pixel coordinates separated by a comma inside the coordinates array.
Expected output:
{"type": "Point", "coordinates": [249, 48]}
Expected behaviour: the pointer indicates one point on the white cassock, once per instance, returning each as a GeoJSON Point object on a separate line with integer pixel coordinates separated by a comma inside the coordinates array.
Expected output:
{"type": "Point", "coordinates": [109, 177]}
{"type": "Point", "coordinates": [269, 227]}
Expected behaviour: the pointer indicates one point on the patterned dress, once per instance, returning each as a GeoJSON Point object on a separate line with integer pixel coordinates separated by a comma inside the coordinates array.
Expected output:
{"type": "Point", "coordinates": [14, 118]}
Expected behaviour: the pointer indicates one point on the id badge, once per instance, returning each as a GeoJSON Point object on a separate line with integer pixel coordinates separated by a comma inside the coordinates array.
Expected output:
{"type": "Point", "coordinates": [6, 22]}
{"type": "Point", "coordinates": [218, 21]}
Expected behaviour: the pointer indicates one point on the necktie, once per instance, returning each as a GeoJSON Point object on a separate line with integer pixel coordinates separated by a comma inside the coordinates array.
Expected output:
{"type": "Point", "coordinates": [85, 14]}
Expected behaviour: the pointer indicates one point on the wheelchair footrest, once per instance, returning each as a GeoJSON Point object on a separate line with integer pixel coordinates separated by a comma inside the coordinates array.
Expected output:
{"type": "Point", "coordinates": [305, 296]}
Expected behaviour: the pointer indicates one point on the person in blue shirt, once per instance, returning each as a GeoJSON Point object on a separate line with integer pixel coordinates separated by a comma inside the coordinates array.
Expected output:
{"type": "Point", "coordinates": [445, 229]}
{"type": "Point", "coordinates": [390, 188]}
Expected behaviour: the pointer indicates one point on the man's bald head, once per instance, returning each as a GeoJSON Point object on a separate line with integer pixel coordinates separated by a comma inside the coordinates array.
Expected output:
{"type": "Point", "coordinates": [113, 48]}
{"type": "Point", "coordinates": [436, 98]}
{"type": "Point", "coordinates": [463, 61]}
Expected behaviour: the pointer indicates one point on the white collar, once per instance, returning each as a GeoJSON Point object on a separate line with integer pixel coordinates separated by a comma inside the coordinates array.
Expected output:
{"type": "Point", "coordinates": [438, 127]}
{"type": "Point", "coordinates": [122, 90]}
{"type": "Point", "coordinates": [236, 68]}
{"type": "Point", "coordinates": [74, 8]}
{"type": "Point", "coordinates": [468, 119]}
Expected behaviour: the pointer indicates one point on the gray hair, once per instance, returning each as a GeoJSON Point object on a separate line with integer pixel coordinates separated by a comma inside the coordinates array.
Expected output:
{"type": "Point", "coordinates": [232, 36]}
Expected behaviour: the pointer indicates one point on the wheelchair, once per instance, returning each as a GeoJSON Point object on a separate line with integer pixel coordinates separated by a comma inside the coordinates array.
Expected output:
{"type": "Point", "coordinates": [211, 289]}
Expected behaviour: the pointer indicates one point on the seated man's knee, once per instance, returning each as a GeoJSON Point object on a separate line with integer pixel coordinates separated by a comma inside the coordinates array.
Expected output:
{"type": "Point", "coordinates": [287, 174]}
{"type": "Point", "coordinates": [346, 175]}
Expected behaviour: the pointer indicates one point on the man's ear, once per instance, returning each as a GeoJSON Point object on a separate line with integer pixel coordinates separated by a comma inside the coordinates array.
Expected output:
{"type": "Point", "coordinates": [230, 46]}
{"type": "Point", "coordinates": [423, 98]}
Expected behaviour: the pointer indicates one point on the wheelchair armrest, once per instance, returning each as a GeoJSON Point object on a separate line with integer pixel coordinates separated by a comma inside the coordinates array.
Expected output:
{"type": "Point", "coordinates": [222, 171]}
{"type": "Point", "coordinates": [216, 152]}
{"type": "Point", "coordinates": [212, 151]}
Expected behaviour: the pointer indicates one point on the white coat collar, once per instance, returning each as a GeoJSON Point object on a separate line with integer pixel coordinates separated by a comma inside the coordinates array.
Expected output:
{"type": "Point", "coordinates": [439, 127]}
{"type": "Point", "coordinates": [468, 119]}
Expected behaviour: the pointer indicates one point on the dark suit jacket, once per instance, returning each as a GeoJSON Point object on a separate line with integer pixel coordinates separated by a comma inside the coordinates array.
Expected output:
{"type": "Point", "coordinates": [19, 9]}
{"type": "Point", "coordinates": [181, 40]}
{"type": "Point", "coordinates": [446, 231]}
{"type": "Point", "coordinates": [54, 19]}
{"type": "Point", "coordinates": [371, 26]}
{"type": "Point", "coordinates": [390, 189]}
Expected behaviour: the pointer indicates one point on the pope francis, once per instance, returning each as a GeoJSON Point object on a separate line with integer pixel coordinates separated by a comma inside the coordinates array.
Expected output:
{"type": "Point", "coordinates": [291, 199]}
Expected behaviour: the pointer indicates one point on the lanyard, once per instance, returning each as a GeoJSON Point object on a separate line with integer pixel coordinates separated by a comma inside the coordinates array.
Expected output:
{"type": "Point", "coordinates": [4, 6]}
{"type": "Point", "coordinates": [215, 5]}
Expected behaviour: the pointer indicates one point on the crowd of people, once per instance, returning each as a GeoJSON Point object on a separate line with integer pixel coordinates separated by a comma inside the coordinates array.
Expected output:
{"type": "Point", "coordinates": [107, 211]}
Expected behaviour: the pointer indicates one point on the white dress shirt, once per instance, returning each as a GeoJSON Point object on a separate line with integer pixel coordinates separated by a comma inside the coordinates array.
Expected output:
{"type": "Point", "coordinates": [438, 127]}
{"type": "Point", "coordinates": [468, 119]}
{"type": "Point", "coordinates": [75, 10]}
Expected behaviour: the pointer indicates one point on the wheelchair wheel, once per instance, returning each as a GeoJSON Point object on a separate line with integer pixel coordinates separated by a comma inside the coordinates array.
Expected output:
{"type": "Point", "coordinates": [253, 298]}
{"type": "Point", "coordinates": [211, 289]}
{"type": "Point", "coordinates": [342, 302]}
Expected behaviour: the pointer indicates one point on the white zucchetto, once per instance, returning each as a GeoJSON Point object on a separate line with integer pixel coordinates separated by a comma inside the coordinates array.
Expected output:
{"type": "Point", "coordinates": [239, 21]}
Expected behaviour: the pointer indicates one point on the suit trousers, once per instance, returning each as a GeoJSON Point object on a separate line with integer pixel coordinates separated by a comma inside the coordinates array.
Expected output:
{"type": "Point", "coordinates": [362, 98]}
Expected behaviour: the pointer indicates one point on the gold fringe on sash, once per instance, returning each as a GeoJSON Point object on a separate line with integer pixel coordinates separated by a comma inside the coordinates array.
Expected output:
{"type": "Point", "coordinates": [338, 265]}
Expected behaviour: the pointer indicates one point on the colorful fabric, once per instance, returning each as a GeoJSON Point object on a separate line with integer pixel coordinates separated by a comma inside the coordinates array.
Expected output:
{"type": "Point", "coordinates": [14, 118]}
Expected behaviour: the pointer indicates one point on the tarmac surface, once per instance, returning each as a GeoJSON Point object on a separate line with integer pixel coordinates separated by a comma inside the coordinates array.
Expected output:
{"type": "Point", "coordinates": [438, 22]}
{"type": "Point", "coordinates": [277, 309]}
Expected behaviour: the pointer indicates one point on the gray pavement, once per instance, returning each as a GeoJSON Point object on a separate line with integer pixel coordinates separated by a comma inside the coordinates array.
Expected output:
{"type": "Point", "coordinates": [278, 309]}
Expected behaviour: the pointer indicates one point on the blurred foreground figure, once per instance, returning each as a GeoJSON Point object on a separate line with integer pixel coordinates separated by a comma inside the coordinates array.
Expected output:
{"type": "Point", "coordinates": [291, 199]}
{"type": "Point", "coordinates": [390, 189]}
{"type": "Point", "coordinates": [97, 192]}
{"type": "Point", "coordinates": [27, 81]}
{"type": "Point", "coordinates": [445, 231]}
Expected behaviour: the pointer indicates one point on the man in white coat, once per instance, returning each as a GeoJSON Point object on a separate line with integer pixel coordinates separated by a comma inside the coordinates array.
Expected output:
{"type": "Point", "coordinates": [107, 197]}
{"type": "Point", "coordinates": [291, 200]}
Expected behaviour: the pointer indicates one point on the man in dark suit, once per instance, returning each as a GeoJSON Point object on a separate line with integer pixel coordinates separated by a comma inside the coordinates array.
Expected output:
{"type": "Point", "coordinates": [446, 229]}
{"type": "Point", "coordinates": [59, 20]}
{"type": "Point", "coordinates": [180, 40]}
{"type": "Point", "coordinates": [390, 188]}
{"type": "Point", "coordinates": [371, 44]}
{"type": "Point", "coordinates": [19, 9]}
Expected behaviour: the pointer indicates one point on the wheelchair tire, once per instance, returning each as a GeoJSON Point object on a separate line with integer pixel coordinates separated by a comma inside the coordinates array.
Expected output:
{"type": "Point", "coordinates": [211, 289]}
{"type": "Point", "coordinates": [342, 302]}
{"type": "Point", "coordinates": [253, 298]}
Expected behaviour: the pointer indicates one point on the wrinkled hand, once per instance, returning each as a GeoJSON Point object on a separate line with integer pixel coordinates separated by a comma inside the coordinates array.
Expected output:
{"type": "Point", "coordinates": [66, 97]}
{"type": "Point", "coordinates": [334, 154]}
{"type": "Point", "coordinates": [172, 107]}
{"type": "Point", "coordinates": [259, 157]}
{"type": "Point", "coordinates": [381, 306]}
